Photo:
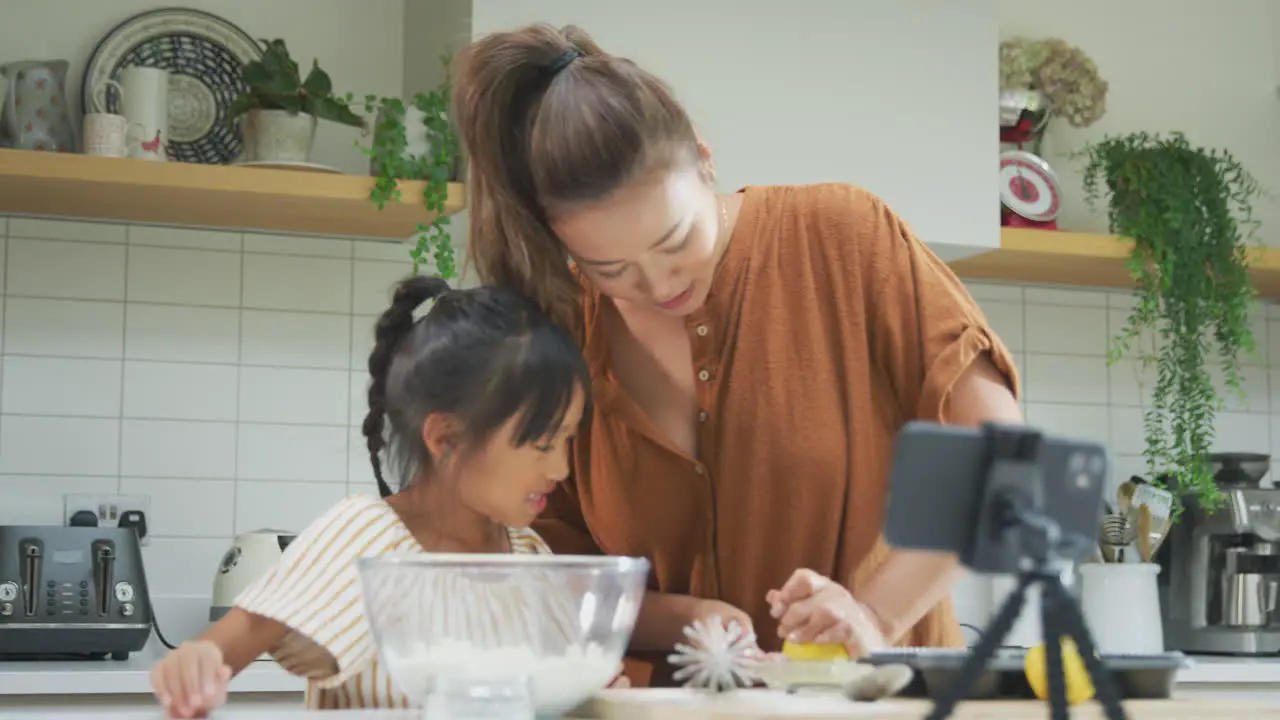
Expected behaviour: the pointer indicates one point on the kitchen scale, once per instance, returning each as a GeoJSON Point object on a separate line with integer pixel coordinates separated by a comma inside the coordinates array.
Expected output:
{"type": "Point", "coordinates": [1030, 194]}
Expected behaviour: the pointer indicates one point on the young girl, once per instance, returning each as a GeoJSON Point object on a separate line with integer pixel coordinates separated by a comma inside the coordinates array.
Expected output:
{"type": "Point", "coordinates": [477, 402]}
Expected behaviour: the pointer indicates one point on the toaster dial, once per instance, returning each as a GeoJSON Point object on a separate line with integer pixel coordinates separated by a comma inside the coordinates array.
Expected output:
{"type": "Point", "coordinates": [8, 592]}
{"type": "Point", "coordinates": [124, 592]}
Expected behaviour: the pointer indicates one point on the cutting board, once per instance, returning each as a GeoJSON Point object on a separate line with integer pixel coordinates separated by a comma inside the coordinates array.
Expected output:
{"type": "Point", "coordinates": [679, 704]}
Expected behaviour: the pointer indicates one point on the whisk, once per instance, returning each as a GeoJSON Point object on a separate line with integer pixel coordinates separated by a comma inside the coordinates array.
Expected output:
{"type": "Point", "coordinates": [718, 657]}
{"type": "Point", "coordinates": [1116, 533]}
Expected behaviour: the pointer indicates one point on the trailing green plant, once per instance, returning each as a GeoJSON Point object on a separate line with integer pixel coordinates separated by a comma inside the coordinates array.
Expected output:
{"type": "Point", "coordinates": [393, 162]}
{"type": "Point", "coordinates": [1189, 212]}
{"type": "Point", "coordinates": [275, 83]}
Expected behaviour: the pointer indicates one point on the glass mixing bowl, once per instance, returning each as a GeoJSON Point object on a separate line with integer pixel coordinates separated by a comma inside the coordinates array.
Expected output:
{"type": "Point", "coordinates": [559, 623]}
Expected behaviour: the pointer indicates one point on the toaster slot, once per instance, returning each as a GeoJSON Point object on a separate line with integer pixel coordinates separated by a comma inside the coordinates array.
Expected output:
{"type": "Point", "coordinates": [104, 560]}
{"type": "Point", "coordinates": [32, 564]}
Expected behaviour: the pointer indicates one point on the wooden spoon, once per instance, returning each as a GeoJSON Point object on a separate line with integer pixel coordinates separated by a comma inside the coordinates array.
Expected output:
{"type": "Point", "coordinates": [1124, 497]}
{"type": "Point", "coordinates": [1144, 533]}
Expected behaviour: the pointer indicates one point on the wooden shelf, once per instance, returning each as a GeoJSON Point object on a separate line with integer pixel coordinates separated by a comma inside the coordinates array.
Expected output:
{"type": "Point", "coordinates": [1067, 258]}
{"type": "Point", "coordinates": [221, 196]}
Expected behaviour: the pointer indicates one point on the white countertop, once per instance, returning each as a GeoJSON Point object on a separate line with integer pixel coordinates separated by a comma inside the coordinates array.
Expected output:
{"type": "Point", "coordinates": [132, 676]}
{"type": "Point", "coordinates": [1219, 670]}
{"type": "Point", "coordinates": [224, 714]}
{"type": "Point", "coordinates": [125, 677]}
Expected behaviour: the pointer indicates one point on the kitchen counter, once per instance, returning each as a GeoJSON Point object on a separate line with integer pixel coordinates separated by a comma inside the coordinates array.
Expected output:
{"type": "Point", "coordinates": [132, 676]}
{"type": "Point", "coordinates": [1217, 670]}
{"type": "Point", "coordinates": [229, 714]}
{"type": "Point", "coordinates": [884, 710]}
{"type": "Point", "coordinates": [125, 677]}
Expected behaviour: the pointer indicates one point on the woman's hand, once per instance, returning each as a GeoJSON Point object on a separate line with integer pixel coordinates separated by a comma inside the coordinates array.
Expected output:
{"type": "Point", "coordinates": [811, 608]}
{"type": "Point", "coordinates": [191, 681]}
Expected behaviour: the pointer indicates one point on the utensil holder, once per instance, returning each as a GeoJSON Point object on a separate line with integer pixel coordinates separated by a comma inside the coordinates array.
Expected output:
{"type": "Point", "coordinates": [1121, 606]}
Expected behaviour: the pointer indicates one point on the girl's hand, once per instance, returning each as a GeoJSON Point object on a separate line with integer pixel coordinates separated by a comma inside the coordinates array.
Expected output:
{"type": "Point", "coordinates": [811, 608]}
{"type": "Point", "coordinates": [707, 609]}
{"type": "Point", "coordinates": [191, 681]}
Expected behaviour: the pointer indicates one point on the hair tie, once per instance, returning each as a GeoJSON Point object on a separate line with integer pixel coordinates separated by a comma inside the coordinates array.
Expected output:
{"type": "Point", "coordinates": [562, 61]}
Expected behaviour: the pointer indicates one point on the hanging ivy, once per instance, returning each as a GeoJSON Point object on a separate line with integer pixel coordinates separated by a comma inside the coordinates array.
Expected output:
{"type": "Point", "coordinates": [1189, 213]}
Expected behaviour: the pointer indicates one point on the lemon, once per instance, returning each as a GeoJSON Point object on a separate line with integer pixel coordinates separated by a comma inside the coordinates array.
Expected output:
{"type": "Point", "coordinates": [822, 652]}
{"type": "Point", "coordinates": [1079, 686]}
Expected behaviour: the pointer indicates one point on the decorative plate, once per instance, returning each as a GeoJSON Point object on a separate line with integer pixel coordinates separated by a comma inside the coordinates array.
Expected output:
{"type": "Point", "coordinates": [203, 54]}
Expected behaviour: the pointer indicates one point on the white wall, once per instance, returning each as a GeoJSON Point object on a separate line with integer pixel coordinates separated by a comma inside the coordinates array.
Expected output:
{"type": "Point", "coordinates": [893, 96]}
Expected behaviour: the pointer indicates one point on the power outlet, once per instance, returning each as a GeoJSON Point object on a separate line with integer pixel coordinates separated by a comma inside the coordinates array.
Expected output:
{"type": "Point", "coordinates": [107, 508]}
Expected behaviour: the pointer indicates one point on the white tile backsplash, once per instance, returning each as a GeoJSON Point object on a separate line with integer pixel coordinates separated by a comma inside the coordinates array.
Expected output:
{"type": "Point", "coordinates": [178, 449]}
{"type": "Point", "coordinates": [34, 445]}
{"type": "Point", "coordinates": [223, 375]}
{"type": "Point", "coordinates": [63, 328]}
{"type": "Point", "coordinates": [295, 339]}
{"type": "Point", "coordinates": [184, 277]}
{"type": "Point", "coordinates": [293, 396]}
{"type": "Point", "coordinates": [317, 284]}
{"type": "Point", "coordinates": [257, 505]}
{"type": "Point", "coordinates": [211, 371]}
{"type": "Point", "coordinates": [292, 452]}
{"type": "Point", "coordinates": [180, 391]}
{"type": "Point", "coordinates": [75, 270]}
{"type": "Point", "coordinates": [84, 387]}
{"type": "Point", "coordinates": [180, 333]}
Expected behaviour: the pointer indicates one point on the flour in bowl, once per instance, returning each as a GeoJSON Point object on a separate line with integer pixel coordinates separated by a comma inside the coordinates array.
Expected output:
{"type": "Point", "coordinates": [558, 682]}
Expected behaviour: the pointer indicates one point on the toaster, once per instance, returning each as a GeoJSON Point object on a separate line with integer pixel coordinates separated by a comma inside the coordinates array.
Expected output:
{"type": "Point", "coordinates": [72, 592]}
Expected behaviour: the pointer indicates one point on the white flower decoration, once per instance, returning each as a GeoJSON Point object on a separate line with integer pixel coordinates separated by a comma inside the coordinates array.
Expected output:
{"type": "Point", "coordinates": [718, 657]}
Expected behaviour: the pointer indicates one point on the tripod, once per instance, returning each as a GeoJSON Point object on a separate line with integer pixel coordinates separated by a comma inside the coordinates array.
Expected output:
{"type": "Point", "coordinates": [1014, 532]}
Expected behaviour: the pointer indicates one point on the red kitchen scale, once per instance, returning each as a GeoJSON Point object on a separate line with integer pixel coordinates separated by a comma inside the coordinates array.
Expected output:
{"type": "Point", "coordinates": [1030, 195]}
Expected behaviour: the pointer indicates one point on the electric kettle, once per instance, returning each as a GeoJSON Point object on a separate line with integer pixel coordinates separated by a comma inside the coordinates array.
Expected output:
{"type": "Point", "coordinates": [251, 555]}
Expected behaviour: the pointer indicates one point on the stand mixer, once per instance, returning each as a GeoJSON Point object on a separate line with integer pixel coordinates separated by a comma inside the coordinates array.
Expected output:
{"type": "Point", "coordinates": [1223, 566]}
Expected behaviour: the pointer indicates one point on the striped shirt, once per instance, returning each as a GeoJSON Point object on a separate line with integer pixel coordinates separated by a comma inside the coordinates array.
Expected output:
{"type": "Point", "coordinates": [315, 592]}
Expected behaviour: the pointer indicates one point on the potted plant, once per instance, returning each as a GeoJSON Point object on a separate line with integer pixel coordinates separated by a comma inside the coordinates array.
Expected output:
{"type": "Point", "coordinates": [416, 141]}
{"type": "Point", "coordinates": [282, 108]}
{"type": "Point", "coordinates": [1189, 212]}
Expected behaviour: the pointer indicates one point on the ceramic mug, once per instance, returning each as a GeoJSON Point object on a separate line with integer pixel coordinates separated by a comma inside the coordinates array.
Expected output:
{"type": "Point", "coordinates": [104, 134]}
{"type": "Point", "coordinates": [144, 101]}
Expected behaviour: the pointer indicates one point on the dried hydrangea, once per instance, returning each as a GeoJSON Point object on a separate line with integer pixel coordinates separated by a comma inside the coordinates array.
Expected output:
{"type": "Point", "coordinates": [1064, 73]}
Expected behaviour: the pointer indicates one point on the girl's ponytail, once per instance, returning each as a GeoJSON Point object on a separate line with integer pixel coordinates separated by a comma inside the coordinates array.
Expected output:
{"type": "Point", "coordinates": [393, 326]}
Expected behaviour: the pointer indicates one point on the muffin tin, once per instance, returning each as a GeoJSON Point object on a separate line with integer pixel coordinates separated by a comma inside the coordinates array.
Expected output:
{"type": "Point", "coordinates": [1140, 677]}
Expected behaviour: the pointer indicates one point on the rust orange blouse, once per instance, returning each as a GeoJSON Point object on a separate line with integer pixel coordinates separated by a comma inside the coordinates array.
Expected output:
{"type": "Point", "coordinates": [828, 325]}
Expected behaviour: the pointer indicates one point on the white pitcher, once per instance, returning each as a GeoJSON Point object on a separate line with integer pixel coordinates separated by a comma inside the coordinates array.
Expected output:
{"type": "Point", "coordinates": [144, 101]}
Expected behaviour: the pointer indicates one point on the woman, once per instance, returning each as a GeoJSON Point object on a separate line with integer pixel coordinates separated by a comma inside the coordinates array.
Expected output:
{"type": "Point", "coordinates": [752, 354]}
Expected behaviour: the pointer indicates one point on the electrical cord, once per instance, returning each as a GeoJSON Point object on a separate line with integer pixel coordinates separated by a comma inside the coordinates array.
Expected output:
{"type": "Point", "coordinates": [155, 627]}
{"type": "Point", "coordinates": [980, 632]}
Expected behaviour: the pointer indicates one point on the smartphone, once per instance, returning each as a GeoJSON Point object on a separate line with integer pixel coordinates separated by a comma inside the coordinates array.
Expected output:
{"type": "Point", "coordinates": [939, 482]}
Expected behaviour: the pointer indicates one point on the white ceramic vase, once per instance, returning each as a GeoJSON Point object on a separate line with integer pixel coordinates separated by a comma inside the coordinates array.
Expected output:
{"type": "Point", "coordinates": [278, 136]}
